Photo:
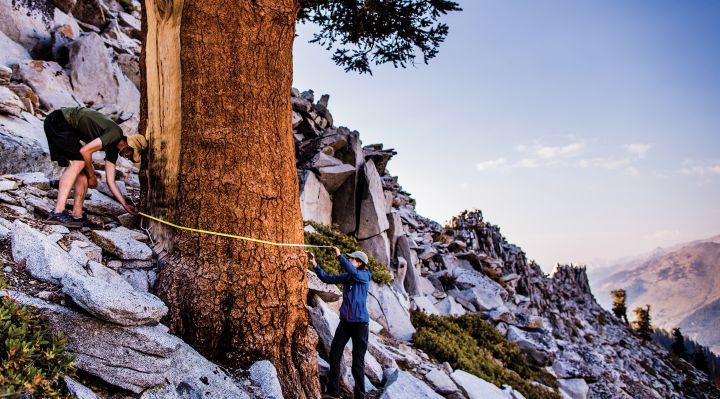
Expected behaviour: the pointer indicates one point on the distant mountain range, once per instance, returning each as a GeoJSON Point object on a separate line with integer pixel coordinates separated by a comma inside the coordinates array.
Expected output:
{"type": "Point", "coordinates": [681, 284]}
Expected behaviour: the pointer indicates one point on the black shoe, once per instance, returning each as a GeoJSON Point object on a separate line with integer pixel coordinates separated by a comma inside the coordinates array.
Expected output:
{"type": "Point", "coordinates": [85, 222]}
{"type": "Point", "coordinates": [63, 219]}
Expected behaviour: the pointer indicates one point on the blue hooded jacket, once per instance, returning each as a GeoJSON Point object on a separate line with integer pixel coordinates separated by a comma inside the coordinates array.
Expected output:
{"type": "Point", "coordinates": [355, 289]}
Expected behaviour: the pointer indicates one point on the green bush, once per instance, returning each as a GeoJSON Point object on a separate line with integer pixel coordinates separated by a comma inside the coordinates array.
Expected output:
{"type": "Point", "coordinates": [33, 360]}
{"type": "Point", "coordinates": [127, 5]}
{"type": "Point", "coordinates": [326, 256]}
{"type": "Point", "coordinates": [474, 345]}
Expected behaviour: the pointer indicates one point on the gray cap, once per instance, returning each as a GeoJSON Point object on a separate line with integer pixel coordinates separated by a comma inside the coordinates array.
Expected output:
{"type": "Point", "coordinates": [359, 255]}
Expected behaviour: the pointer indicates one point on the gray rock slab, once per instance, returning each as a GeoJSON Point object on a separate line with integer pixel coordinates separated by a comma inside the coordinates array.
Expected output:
{"type": "Point", "coordinates": [97, 78]}
{"type": "Point", "coordinates": [8, 185]}
{"type": "Point", "coordinates": [401, 384]}
{"type": "Point", "coordinates": [137, 278]}
{"type": "Point", "coordinates": [12, 52]}
{"type": "Point", "coordinates": [332, 177]}
{"type": "Point", "coordinates": [480, 289]}
{"type": "Point", "coordinates": [101, 204]}
{"type": "Point", "coordinates": [477, 388]}
{"type": "Point", "coordinates": [121, 244]}
{"type": "Point", "coordinates": [373, 219]}
{"type": "Point", "coordinates": [44, 259]}
{"type": "Point", "coordinates": [133, 358]}
{"type": "Point", "coordinates": [378, 247]}
{"type": "Point", "coordinates": [23, 146]}
{"type": "Point", "coordinates": [315, 202]}
{"type": "Point", "coordinates": [116, 302]}
{"type": "Point", "coordinates": [34, 179]}
{"type": "Point", "coordinates": [448, 306]}
{"type": "Point", "coordinates": [30, 23]}
{"type": "Point", "coordinates": [387, 308]}
{"type": "Point", "coordinates": [78, 390]}
{"type": "Point", "coordinates": [190, 375]}
{"type": "Point", "coordinates": [442, 382]}
{"type": "Point", "coordinates": [10, 103]}
{"type": "Point", "coordinates": [49, 81]}
{"type": "Point", "coordinates": [328, 292]}
{"type": "Point", "coordinates": [263, 374]}
{"type": "Point", "coordinates": [539, 345]}
{"type": "Point", "coordinates": [425, 304]}
{"type": "Point", "coordinates": [344, 213]}
{"type": "Point", "coordinates": [574, 388]}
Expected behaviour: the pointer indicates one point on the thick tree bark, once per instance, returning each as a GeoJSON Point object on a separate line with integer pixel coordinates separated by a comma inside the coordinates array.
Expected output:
{"type": "Point", "coordinates": [216, 111]}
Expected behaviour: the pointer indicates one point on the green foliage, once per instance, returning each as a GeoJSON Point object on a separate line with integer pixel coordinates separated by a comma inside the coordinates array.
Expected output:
{"type": "Point", "coordinates": [33, 360]}
{"type": "Point", "coordinates": [448, 281]}
{"type": "Point", "coordinates": [367, 32]}
{"type": "Point", "coordinates": [642, 324]}
{"type": "Point", "coordinates": [700, 361]}
{"type": "Point", "coordinates": [474, 345]}
{"type": "Point", "coordinates": [619, 308]}
{"type": "Point", "coordinates": [127, 5]}
{"type": "Point", "coordinates": [326, 257]}
{"type": "Point", "coordinates": [678, 345]}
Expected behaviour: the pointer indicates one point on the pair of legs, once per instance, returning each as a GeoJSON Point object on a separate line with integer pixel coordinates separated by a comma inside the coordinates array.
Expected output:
{"type": "Point", "coordinates": [73, 176]}
{"type": "Point", "coordinates": [358, 332]}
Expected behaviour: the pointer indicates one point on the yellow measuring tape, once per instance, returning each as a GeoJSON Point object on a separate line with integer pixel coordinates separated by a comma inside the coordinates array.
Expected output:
{"type": "Point", "coordinates": [277, 244]}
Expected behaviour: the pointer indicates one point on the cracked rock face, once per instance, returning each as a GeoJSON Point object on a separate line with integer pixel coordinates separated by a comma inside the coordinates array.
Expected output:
{"type": "Point", "coordinates": [134, 358]}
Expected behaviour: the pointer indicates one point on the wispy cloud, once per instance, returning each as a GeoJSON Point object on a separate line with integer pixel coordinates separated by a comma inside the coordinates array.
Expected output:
{"type": "Point", "coordinates": [605, 163]}
{"type": "Point", "coordinates": [666, 233]}
{"type": "Point", "coordinates": [700, 168]}
{"type": "Point", "coordinates": [637, 149]}
{"type": "Point", "coordinates": [492, 164]}
{"type": "Point", "coordinates": [565, 151]}
{"type": "Point", "coordinates": [538, 150]}
{"type": "Point", "coordinates": [537, 154]}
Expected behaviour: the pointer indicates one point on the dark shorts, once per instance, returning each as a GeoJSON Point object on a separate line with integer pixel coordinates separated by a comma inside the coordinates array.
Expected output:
{"type": "Point", "coordinates": [62, 140]}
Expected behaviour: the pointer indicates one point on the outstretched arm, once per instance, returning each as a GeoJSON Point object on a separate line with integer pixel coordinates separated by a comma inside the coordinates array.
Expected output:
{"type": "Point", "coordinates": [110, 177]}
{"type": "Point", "coordinates": [330, 278]}
{"type": "Point", "coordinates": [86, 151]}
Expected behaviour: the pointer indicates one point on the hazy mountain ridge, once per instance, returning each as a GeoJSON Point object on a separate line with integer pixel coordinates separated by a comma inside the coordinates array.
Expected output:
{"type": "Point", "coordinates": [681, 283]}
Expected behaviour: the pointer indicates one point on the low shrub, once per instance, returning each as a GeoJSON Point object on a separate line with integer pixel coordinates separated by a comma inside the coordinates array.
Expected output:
{"type": "Point", "coordinates": [33, 360]}
{"type": "Point", "coordinates": [474, 345]}
{"type": "Point", "coordinates": [326, 256]}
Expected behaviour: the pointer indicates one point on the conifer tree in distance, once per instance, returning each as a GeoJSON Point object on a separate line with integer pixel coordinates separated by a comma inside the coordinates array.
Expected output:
{"type": "Point", "coordinates": [699, 359]}
{"type": "Point", "coordinates": [619, 308]}
{"type": "Point", "coordinates": [642, 323]}
{"type": "Point", "coordinates": [678, 345]}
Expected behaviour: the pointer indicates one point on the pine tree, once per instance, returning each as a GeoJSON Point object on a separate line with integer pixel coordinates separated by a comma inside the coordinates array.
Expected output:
{"type": "Point", "coordinates": [619, 307]}
{"type": "Point", "coordinates": [216, 112]}
{"type": "Point", "coordinates": [700, 361]}
{"type": "Point", "coordinates": [678, 345]}
{"type": "Point", "coordinates": [642, 323]}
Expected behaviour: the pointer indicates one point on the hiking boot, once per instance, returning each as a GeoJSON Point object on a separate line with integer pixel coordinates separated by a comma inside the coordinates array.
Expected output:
{"type": "Point", "coordinates": [85, 222]}
{"type": "Point", "coordinates": [64, 219]}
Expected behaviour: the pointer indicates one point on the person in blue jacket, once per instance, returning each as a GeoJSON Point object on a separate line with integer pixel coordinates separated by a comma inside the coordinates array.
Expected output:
{"type": "Point", "coordinates": [354, 319]}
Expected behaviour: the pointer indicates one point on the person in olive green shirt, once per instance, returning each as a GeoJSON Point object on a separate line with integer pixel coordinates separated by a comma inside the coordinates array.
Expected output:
{"type": "Point", "coordinates": [74, 134]}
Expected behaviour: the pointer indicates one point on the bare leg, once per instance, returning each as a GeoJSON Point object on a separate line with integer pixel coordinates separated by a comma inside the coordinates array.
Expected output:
{"type": "Point", "coordinates": [67, 180]}
{"type": "Point", "coordinates": [81, 185]}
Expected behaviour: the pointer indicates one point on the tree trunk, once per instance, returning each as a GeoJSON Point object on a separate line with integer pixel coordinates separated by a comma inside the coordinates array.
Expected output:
{"type": "Point", "coordinates": [216, 111]}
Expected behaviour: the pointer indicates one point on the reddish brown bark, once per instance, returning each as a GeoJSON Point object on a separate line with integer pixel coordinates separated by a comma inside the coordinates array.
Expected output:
{"type": "Point", "coordinates": [234, 173]}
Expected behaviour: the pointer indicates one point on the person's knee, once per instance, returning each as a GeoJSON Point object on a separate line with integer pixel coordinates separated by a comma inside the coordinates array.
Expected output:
{"type": "Point", "coordinates": [76, 166]}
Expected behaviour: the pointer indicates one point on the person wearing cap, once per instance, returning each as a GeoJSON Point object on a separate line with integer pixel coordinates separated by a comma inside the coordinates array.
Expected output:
{"type": "Point", "coordinates": [354, 319]}
{"type": "Point", "coordinates": [73, 135]}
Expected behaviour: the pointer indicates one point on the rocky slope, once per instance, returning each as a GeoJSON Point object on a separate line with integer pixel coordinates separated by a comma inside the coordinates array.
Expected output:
{"type": "Point", "coordinates": [555, 320]}
{"type": "Point", "coordinates": [96, 285]}
{"type": "Point", "coordinates": [682, 285]}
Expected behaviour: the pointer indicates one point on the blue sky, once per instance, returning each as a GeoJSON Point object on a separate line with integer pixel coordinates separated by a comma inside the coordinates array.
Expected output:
{"type": "Point", "coordinates": [585, 130]}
